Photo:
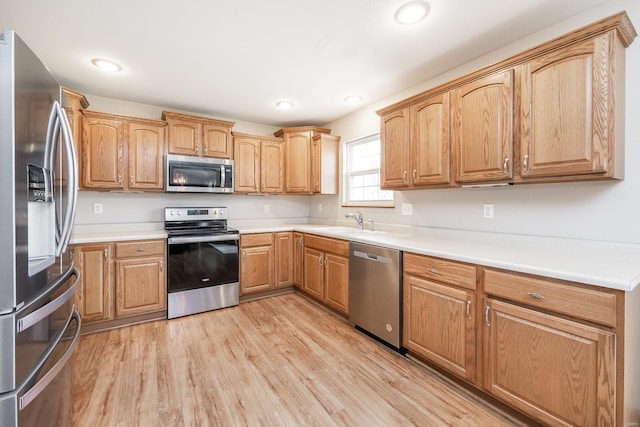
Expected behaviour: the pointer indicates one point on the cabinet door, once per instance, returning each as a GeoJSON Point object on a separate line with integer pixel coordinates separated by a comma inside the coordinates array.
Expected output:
{"type": "Point", "coordinates": [246, 164]}
{"type": "Point", "coordinates": [324, 163]}
{"type": "Point", "coordinates": [298, 260]}
{"type": "Point", "coordinates": [439, 325]}
{"type": "Point", "coordinates": [482, 130]}
{"type": "Point", "coordinates": [185, 137]}
{"type": "Point", "coordinates": [103, 150]}
{"type": "Point", "coordinates": [555, 370]}
{"type": "Point", "coordinates": [256, 269]}
{"type": "Point", "coordinates": [146, 157]}
{"type": "Point", "coordinates": [394, 140]}
{"type": "Point", "coordinates": [314, 273]}
{"type": "Point", "coordinates": [565, 111]}
{"type": "Point", "coordinates": [94, 297]}
{"type": "Point", "coordinates": [430, 158]}
{"type": "Point", "coordinates": [298, 162]}
{"type": "Point", "coordinates": [272, 167]}
{"type": "Point", "coordinates": [284, 259]}
{"type": "Point", "coordinates": [217, 141]}
{"type": "Point", "coordinates": [336, 276]}
{"type": "Point", "coordinates": [140, 286]}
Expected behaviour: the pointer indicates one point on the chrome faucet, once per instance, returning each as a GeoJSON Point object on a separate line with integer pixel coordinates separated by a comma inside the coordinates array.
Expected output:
{"type": "Point", "coordinates": [358, 217]}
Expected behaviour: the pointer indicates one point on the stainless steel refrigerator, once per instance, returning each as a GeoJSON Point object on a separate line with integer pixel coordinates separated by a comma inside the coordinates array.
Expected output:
{"type": "Point", "coordinates": [39, 326]}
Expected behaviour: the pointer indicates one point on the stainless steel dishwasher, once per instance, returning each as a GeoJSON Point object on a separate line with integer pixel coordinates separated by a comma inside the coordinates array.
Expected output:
{"type": "Point", "coordinates": [375, 291]}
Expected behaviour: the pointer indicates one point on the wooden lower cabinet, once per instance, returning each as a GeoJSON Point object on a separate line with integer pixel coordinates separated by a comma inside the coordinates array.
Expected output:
{"type": "Point", "coordinates": [555, 370]}
{"type": "Point", "coordinates": [94, 296]}
{"type": "Point", "coordinates": [266, 262]}
{"type": "Point", "coordinates": [439, 325]}
{"type": "Point", "coordinates": [298, 260]}
{"type": "Point", "coordinates": [137, 288]}
{"type": "Point", "coordinates": [326, 271]}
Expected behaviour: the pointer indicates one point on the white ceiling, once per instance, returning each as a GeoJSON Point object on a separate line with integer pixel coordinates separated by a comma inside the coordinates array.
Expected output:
{"type": "Point", "coordinates": [236, 58]}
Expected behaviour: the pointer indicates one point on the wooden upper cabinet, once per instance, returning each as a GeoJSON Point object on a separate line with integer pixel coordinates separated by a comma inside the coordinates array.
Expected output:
{"type": "Point", "coordinates": [297, 152]}
{"type": "Point", "coordinates": [324, 163]}
{"type": "Point", "coordinates": [146, 156]}
{"type": "Point", "coordinates": [568, 108]}
{"type": "Point", "coordinates": [198, 136]}
{"type": "Point", "coordinates": [121, 152]}
{"type": "Point", "coordinates": [482, 129]}
{"type": "Point", "coordinates": [272, 165]}
{"type": "Point", "coordinates": [394, 140]}
{"type": "Point", "coordinates": [259, 164]}
{"type": "Point", "coordinates": [246, 164]}
{"type": "Point", "coordinates": [103, 152]}
{"type": "Point", "coordinates": [430, 145]}
{"type": "Point", "coordinates": [74, 102]}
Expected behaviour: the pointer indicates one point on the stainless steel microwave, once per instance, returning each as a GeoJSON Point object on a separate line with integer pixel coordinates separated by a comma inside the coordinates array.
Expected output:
{"type": "Point", "coordinates": [191, 174]}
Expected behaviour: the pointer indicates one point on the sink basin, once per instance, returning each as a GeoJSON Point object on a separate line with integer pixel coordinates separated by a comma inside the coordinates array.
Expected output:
{"type": "Point", "coordinates": [348, 231]}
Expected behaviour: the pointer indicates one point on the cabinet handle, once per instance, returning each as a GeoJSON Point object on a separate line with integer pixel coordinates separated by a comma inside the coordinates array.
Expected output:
{"type": "Point", "coordinates": [140, 249]}
{"type": "Point", "coordinates": [130, 180]}
{"type": "Point", "coordinates": [525, 164]}
{"type": "Point", "coordinates": [255, 186]}
{"type": "Point", "coordinates": [320, 259]}
{"type": "Point", "coordinates": [105, 253]}
{"type": "Point", "coordinates": [535, 295]}
{"type": "Point", "coordinates": [301, 241]}
{"type": "Point", "coordinates": [197, 149]}
{"type": "Point", "coordinates": [204, 150]}
{"type": "Point", "coordinates": [325, 261]}
{"type": "Point", "coordinates": [469, 309]}
{"type": "Point", "coordinates": [287, 186]}
{"type": "Point", "coordinates": [404, 177]}
{"type": "Point", "coordinates": [243, 255]}
{"type": "Point", "coordinates": [505, 166]}
{"type": "Point", "coordinates": [433, 270]}
{"type": "Point", "coordinates": [120, 179]}
{"type": "Point", "coordinates": [486, 316]}
{"type": "Point", "coordinates": [415, 176]}
{"type": "Point", "coordinates": [161, 265]}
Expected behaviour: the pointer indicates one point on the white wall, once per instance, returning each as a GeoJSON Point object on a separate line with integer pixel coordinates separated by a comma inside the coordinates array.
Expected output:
{"type": "Point", "coordinates": [587, 210]}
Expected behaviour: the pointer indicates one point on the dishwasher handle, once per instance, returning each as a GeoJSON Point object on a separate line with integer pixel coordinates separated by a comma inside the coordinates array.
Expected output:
{"type": "Point", "coordinates": [372, 257]}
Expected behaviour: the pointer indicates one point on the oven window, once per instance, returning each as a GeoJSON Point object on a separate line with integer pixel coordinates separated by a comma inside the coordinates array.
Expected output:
{"type": "Point", "coordinates": [195, 175]}
{"type": "Point", "coordinates": [198, 265]}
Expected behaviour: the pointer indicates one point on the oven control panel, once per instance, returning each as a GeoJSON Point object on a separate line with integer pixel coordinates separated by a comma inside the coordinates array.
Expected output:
{"type": "Point", "coordinates": [194, 213]}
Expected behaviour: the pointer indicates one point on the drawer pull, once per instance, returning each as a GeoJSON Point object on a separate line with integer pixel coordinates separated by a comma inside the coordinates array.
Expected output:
{"type": "Point", "coordinates": [140, 249]}
{"type": "Point", "coordinates": [535, 295]}
{"type": "Point", "coordinates": [486, 316]}
{"type": "Point", "coordinates": [469, 309]}
{"type": "Point", "coordinates": [433, 270]}
{"type": "Point", "coordinates": [105, 254]}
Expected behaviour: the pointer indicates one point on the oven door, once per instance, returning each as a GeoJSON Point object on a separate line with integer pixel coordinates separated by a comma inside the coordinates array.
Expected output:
{"type": "Point", "coordinates": [201, 261]}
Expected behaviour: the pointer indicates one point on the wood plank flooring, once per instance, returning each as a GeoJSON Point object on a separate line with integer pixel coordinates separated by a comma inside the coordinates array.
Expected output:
{"type": "Point", "coordinates": [281, 361]}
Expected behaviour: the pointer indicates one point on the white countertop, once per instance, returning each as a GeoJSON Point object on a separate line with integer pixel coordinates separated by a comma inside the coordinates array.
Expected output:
{"type": "Point", "coordinates": [610, 265]}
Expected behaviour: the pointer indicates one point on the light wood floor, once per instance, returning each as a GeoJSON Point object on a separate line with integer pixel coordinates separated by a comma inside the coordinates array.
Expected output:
{"type": "Point", "coordinates": [281, 361]}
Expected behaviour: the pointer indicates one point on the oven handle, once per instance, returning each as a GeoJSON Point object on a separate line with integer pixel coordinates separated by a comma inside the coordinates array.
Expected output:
{"type": "Point", "coordinates": [203, 239]}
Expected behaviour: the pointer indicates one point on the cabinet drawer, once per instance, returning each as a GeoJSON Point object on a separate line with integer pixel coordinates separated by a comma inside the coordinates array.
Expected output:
{"type": "Point", "coordinates": [326, 244]}
{"type": "Point", "coordinates": [140, 248]}
{"type": "Point", "coordinates": [261, 239]}
{"type": "Point", "coordinates": [565, 298]}
{"type": "Point", "coordinates": [440, 270]}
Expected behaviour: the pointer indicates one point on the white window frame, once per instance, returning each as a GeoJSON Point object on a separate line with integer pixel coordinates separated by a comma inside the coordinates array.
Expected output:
{"type": "Point", "coordinates": [347, 176]}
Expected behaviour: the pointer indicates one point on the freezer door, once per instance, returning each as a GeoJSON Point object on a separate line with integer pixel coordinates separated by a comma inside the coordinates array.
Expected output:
{"type": "Point", "coordinates": [25, 336]}
{"type": "Point", "coordinates": [44, 399]}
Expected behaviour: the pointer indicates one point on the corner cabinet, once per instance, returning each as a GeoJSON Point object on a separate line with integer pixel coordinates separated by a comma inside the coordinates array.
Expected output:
{"type": "Point", "coordinates": [297, 151]}
{"type": "Point", "coordinates": [550, 114]}
{"type": "Point", "coordinates": [298, 260]}
{"type": "Point", "coordinates": [122, 153]}
{"type": "Point", "coordinates": [324, 164]}
{"type": "Point", "coordinates": [198, 136]}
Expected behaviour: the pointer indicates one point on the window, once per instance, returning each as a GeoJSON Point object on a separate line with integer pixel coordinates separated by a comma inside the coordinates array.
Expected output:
{"type": "Point", "coordinates": [362, 174]}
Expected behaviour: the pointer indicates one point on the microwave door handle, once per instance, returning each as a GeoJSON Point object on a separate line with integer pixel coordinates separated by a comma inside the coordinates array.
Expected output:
{"type": "Point", "coordinates": [222, 176]}
{"type": "Point", "coordinates": [72, 181]}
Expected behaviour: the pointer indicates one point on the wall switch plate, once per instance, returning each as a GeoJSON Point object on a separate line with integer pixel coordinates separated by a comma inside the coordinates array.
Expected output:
{"type": "Point", "coordinates": [407, 209]}
{"type": "Point", "coordinates": [487, 210]}
{"type": "Point", "coordinates": [97, 208]}
{"type": "Point", "coordinates": [319, 207]}
{"type": "Point", "coordinates": [266, 208]}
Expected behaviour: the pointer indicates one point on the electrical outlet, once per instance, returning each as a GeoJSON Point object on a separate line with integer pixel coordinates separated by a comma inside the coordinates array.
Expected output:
{"type": "Point", "coordinates": [266, 208]}
{"type": "Point", "coordinates": [97, 208]}
{"type": "Point", "coordinates": [319, 207]}
{"type": "Point", "coordinates": [407, 209]}
{"type": "Point", "coordinates": [487, 210]}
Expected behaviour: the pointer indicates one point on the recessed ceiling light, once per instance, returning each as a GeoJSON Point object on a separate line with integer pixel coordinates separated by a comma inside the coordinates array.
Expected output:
{"type": "Point", "coordinates": [106, 65]}
{"type": "Point", "coordinates": [353, 99]}
{"type": "Point", "coordinates": [412, 12]}
{"type": "Point", "coordinates": [285, 105]}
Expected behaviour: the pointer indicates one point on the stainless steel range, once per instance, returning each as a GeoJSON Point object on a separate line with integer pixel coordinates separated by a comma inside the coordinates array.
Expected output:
{"type": "Point", "coordinates": [202, 263]}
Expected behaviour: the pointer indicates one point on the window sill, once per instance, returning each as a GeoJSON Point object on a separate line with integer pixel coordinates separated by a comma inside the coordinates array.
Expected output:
{"type": "Point", "coordinates": [369, 204]}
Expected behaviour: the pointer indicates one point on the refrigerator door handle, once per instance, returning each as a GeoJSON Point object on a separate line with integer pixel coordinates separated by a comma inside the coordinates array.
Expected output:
{"type": "Point", "coordinates": [32, 318]}
{"type": "Point", "coordinates": [34, 391]}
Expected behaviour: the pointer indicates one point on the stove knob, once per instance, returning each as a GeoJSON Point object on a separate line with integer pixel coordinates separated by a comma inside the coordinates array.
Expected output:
{"type": "Point", "coordinates": [215, 212]}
